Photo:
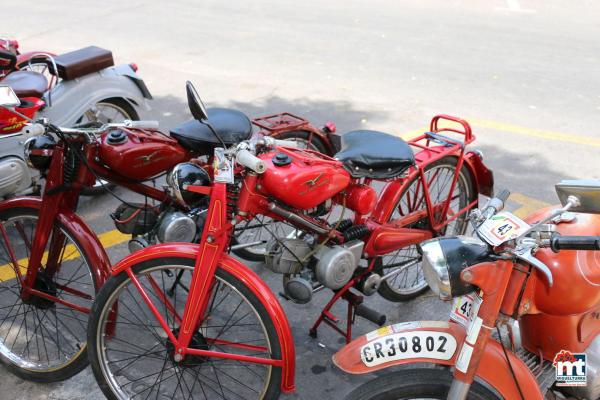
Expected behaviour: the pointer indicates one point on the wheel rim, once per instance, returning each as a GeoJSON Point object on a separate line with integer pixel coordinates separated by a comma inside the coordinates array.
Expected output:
{"type": "Point", "coordinates": [42, 336]}
{"type": "Point", "coordinates": [105, 113]}
{"type": "Point", "coordinates": [410, 279]}
{"type": "Point", "coordinates": [147, 369]}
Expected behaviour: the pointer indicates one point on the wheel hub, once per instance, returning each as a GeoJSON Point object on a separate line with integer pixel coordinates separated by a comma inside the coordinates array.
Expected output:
{"type": "Point", "coordinates": [43, 284]}
{"type": "Point", "coordinates": [198, 342]}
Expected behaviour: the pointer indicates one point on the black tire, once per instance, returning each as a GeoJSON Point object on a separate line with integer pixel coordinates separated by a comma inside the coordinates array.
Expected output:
{"type": "Point", "coordinates": [421, 383]}
{"type": "Point", "coordinates": [116, 283]}
{"type": "Point", "coordinates": [79, 361]}
{"type": "Point", "coordinates": [130, 113]}
{"type": "Point", "coordinates": [459, 226]}
{"type": "Point", "coordinates": [256, 254]}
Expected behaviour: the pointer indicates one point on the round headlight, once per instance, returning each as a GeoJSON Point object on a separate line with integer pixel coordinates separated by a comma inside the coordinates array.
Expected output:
{"type": "Point", "coordinates": [187, 174]}
{"type": "Point", "coordinates": [445, 258]}
{"type": "Point", "coordinates": [38, 151]}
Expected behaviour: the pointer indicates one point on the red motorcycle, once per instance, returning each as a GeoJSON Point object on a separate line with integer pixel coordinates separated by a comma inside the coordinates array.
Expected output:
{"type": "Point", "coordinates": [516, 281]}
{"type": "Point", "coordinates": [51, 262]}
{"type": "Point", "coordinates": [188, 320]}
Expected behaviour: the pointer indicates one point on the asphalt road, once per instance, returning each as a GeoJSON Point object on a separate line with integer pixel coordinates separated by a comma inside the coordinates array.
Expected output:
{"type": "Point", "coordinates": [525, 73]}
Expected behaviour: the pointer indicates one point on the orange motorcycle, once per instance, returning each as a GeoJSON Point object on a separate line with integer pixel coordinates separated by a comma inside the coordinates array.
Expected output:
{"type": "Point", "coordinates": [525, 319]}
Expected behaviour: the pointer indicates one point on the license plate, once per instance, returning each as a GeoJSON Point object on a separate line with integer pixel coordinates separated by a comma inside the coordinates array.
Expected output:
{"type": "Point", "coordinates": [465, 308]}
{"type": "Point", "coordinates": [406, 345]}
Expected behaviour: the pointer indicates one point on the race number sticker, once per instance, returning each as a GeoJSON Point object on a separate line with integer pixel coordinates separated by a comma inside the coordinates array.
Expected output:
{"type": "Point", "coordinates": [402, 346]}
{"type": "Point", "coordinates": [501, 228]}
{"type": "Point", "coordinates": [223, 167]}
{"type": "Point", "coordinates": [465, 308]}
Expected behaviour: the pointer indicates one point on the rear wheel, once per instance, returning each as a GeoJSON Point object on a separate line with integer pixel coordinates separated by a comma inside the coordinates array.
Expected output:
{"type": "Point", "coordinates": [40, 339]}
{"type": "Point", "coordinates": [417, 384]}
{"type": "Point", "coordinates": [409, 281]}
{"type": "Point", "coordinates": [106, 111]}
{"type": "Point", "coordinates": [136, 358]}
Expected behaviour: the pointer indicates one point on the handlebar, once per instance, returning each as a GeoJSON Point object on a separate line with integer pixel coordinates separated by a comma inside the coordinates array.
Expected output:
{"type": "Point", "coordinates": [249, 160]}
{"type": "Point", "coordinates": [495, 204]}
{"type": "Point", "coordinates": [558, 243]}
{"type": "Point", "coordinates": [272, 142]}
{"type": "Point", "coordinates": [141, 124]}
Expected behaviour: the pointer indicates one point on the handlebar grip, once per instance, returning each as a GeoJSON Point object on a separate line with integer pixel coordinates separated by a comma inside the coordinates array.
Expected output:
{"type": "Point", "coordinates": [372, 315]}
{"type": "Point", "coordinates": [249, 160]}
{"type": "Point", "coordinates": [558, 243]}
{"type": "Point", "coordinates": [34, 129]}
{"type": "Point", "coordinates": [503, 195]}
{"type": "Point", "coordinates": [141, 124]}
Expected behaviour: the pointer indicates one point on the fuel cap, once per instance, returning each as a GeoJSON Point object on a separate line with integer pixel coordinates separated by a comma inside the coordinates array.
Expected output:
{"type": "Point", "coordinates": [116, 137]}
{"type": "Point", "coordinates": [281, 160]}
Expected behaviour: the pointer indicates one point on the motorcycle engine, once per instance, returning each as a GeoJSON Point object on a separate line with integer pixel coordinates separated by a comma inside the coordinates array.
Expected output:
{"type": "Point", "coordinates": [329, 266]}
{"type": "Point", "coordinates": [14, 176]}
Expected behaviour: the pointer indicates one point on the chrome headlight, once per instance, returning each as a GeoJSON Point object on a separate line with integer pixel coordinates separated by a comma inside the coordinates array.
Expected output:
{"type": "Point", "coordinates": [445, 258]}
{"type": "Point", "coordinates": [185, 174]}
{"type": "Point", "coordinates": [38, 151]}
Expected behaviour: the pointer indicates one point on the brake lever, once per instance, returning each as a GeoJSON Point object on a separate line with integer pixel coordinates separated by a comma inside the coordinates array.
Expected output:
{"type": "Point", "coordinates": [524, 252]}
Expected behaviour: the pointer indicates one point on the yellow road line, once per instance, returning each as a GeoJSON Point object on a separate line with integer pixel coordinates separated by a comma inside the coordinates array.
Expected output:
{"type": "Point", "coordinates": [521, 130]}
{"type": "Point", "coordinates": [528, 204]}
{"type": "Point", "coordinates": [108, 239]}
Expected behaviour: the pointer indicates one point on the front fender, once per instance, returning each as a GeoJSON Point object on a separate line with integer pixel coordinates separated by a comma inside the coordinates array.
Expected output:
{"type": "Point", "coordinates": [493, 368]}
{"type": "Point", "coordinates": [484, 177]}
{"type": "Point", "coordinates": [67, 101]}
{"type": "Point", "coordinates": [85, 237]}
{"type": "Point", "coordinates": [245, 275]}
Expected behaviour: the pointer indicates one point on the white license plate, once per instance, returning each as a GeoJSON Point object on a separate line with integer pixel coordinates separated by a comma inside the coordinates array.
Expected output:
{"type": "Point", "coordinates": [405, 345]}
{"type": "Point", "coordinates": [502, 227]}
{"type": "Point", "coordinates": [465, 308]}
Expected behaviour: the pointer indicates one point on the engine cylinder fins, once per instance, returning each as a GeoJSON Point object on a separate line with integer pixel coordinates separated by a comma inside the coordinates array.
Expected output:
{"type": "Point", "coordinates": [298, 290]}
{"type": "Point", "coordinates": [286, 256]}
{"type": "Point", "coordinates": [355, 232]}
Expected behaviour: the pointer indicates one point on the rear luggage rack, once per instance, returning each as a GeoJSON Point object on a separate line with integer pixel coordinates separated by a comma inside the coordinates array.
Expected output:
{"type": "Point", "coordinates": [278, 123]}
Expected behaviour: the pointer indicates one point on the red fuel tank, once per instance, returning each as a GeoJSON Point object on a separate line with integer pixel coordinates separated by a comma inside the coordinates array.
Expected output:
{"type": "Point", "coordinates": [140, 154]}
{"type": "Point", "coordinates": [576, 287]}
{"type": "Point", "coordinates": [302, 179]}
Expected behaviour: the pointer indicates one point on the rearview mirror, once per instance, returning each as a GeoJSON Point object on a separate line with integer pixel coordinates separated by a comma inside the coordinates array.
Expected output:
{"type": "Point", "coordinates": [195, 102]}
{"type": "Point", "coordinates": [586, 190]}
{"type": "Point", "coordinates": [8, 98]}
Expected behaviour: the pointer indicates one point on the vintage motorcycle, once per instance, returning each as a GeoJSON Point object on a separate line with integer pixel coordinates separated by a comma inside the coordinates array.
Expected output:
{"type": "Point", "coordinates": [65, 260]}
{"type": "Point", "coordinates": [183, 320]}
{"type": "Point", "coordinates": [24, 61]}
{"type": "Point", "coordinates": [85, 86]}
{"type": "Point", "coordinates": [520, 275]}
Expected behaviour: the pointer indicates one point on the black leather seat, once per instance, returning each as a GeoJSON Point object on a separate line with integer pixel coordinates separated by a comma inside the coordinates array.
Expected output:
{"type": "Point", "coordinates": [26, 83]}
{"type": "Point", "coordinates": [233, 126]}
{"type": "Point", "coordinates": [372, 154]}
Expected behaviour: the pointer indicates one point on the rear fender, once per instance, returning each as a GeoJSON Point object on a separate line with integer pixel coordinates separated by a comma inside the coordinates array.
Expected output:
{"type": "Point", "coordinates": [70, 99]}
{"type": "Point", "coordinates": [484, 177]}
{"type": "Point", "coordinates": [245, 275]}
{"type": "Point", "coordinates": [91, 246]}
{"type": "Point", "coordinates": [360, 356]}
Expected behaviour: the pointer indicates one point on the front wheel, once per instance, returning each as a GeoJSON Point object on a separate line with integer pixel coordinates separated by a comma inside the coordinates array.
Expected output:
{"type": "Point", "coordinates": [421, 383]}
{"type": "Point", "coordinates": [43, 339]}
{"type": "Point", "coordinates": [132, 357]}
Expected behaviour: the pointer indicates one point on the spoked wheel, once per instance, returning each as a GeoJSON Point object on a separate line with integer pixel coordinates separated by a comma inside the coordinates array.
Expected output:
{"type": "Point", "coordinates": [409, 281]}
{"type": "Point", "coordinates": [415, 384]}
{"type": "Point", "coordinates": [106, 111]}
{"type": "Point", "coordinates": [133, 358]}
{"type": "Point", "coordinates": [259, 230]}
{"type": "Point", "coordinates": [41, 339]}
{"type": "Point", "coordinates": [305, 140]}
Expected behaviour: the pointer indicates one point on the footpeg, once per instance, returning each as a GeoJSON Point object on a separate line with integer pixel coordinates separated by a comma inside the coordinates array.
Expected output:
{"type": "Point", "coordinates": [372, 315]}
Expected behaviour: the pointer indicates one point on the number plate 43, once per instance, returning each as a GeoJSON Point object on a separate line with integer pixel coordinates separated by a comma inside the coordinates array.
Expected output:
{"type": "Point", "coordinates": [406, 345]}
